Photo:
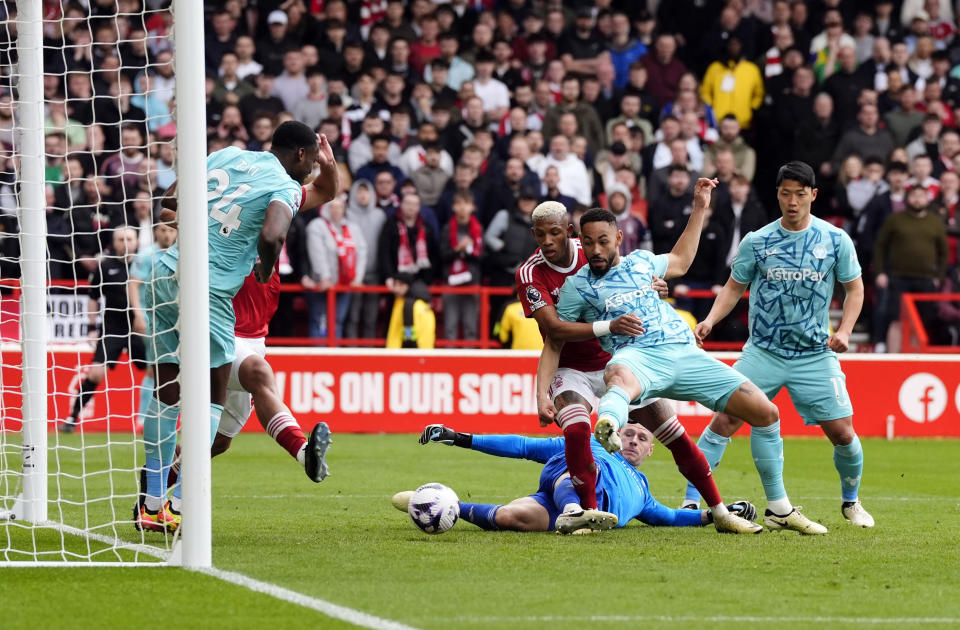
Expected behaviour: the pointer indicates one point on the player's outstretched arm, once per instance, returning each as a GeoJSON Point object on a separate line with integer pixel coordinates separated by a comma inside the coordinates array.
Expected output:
{"type": "Point", "coordinates": [326, 185]}
{"type": "Point", "coordinates": [685, 250]}
{"type": "Point", "coordinates": [546, 368]}
{"type": "Point", "coordinates": [852, 303]}
{"type": "Point", "coordinates": [272, 235]}
{"type": "Point", "coordinates": [562, 331]}
{"type": "Point", "coordinates": [726, 300]}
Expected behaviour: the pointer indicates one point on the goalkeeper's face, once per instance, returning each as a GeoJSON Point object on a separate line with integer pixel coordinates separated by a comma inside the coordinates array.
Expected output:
{"type": "Point", "coordinates": [637, 443]}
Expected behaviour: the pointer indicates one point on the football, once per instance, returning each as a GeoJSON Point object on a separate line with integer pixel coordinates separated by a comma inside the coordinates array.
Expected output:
{"type": "Point", "coordinates": [434, 508]}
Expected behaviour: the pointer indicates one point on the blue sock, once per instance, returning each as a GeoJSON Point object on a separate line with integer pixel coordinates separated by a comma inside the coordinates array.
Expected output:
{"type": "Point", "coordinates": [713, 445]}
{"type": "Point", "coordinates": [766, 446]}
{"type": "Point", "coordinates": [215, 412]}
{"type": "Point", "coordinates": [159, 445]}
{"type": "Point", "coordinates": [615, 404]}
{"type": "Point", "coordinates": [564, 494]}
{"type": "Point", "coordinates": [483, 515]}
{"type": "Point", "coordinates": [146, 395]}
{"type": "Point", "coordinates": [849, 462]}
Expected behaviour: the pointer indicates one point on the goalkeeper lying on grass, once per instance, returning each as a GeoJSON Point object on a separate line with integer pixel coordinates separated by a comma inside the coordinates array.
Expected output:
{"type": "Point", "coordinates": [623, 492]}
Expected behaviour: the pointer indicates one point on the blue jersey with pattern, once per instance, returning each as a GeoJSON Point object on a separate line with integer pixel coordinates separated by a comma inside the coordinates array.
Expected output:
{"type": "Point", "coordinates": [240, 186]}
{"type": "Point", "coordinates": [142, 268]}
{"type": "Point", "coordinates": [624, 289]}
{"type": "Point", "coordinates": [791, 277]}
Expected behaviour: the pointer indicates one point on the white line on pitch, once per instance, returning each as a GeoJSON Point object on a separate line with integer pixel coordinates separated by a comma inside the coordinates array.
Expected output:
{"type": "Point", "coordinates": [686, 619]}
{"type": "Point", "coordinates": [356, 617]}
{"type": "Point", "coordinates": [510, 496]}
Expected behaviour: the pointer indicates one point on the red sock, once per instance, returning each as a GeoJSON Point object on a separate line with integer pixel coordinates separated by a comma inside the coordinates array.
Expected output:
{"type": "Point", "coordinates": [288, 434]}
{"type": "Point", "coordinates": [690, 460]}
{"type": "Point", "coordinates": [575, 422]}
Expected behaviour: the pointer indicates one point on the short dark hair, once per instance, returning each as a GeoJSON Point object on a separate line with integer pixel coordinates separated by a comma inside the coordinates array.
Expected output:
{"type": "Point", "coordinates": [380, 137]}
{"type": "Point", "coordinates": [598, 215]}
{"type": "Point", "coordinates": [897, 167]}
{"type": "Point", "coordinates": [673, 168]}
{"type": "Point", "coordinates": [797, 171]}
{"type": "Point", "coordinates": [873, 159]}
{"type": "Point", "coordinates": [293, 135]}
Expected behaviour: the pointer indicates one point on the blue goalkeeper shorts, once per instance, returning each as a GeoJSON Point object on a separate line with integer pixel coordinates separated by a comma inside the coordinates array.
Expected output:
{"type": "Point", "coordinates": [166, 312]}
{"type": "Point", "coordinates": [816, 384]}
{"type": "Point", "coordinates": [680, 371]}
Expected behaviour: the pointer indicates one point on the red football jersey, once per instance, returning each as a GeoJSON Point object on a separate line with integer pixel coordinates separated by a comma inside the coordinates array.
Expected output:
{"type": "Point", "coordinates": [538, 285]}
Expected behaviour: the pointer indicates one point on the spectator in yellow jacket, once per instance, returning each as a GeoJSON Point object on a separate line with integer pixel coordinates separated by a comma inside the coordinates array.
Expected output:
{"type": "Point", "coordinates": [412, 321]}
{"type": "Point", "coordinates": [516, 331]}
{"type": "Point", "coordinates": [734, 85]}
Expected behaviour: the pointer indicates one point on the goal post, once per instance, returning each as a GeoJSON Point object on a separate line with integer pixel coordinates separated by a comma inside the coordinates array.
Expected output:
{"type": "Point", "coordinates": [67, 489]}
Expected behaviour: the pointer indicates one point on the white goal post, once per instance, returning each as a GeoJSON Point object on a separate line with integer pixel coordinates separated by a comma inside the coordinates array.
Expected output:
{"type": "Point", "coordinates": [41, 523]}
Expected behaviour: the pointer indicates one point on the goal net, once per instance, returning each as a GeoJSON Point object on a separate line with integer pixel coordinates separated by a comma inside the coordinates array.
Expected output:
{"type": "Point", "coordinates": [88, 145]}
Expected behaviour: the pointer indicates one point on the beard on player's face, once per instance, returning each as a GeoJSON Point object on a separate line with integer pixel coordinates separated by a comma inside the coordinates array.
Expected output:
{"type": "Point", "coordinates": [600, 264]}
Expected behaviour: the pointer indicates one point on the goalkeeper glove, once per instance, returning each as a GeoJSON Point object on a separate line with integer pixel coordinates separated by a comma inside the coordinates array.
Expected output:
{"type": "Point", "coordinates": [445, 435]}
{"type": "Point", "coordinates": [743, 509]}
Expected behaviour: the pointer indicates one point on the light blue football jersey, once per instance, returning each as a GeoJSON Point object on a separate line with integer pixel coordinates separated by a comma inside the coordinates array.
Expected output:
{"type": "Point", "coordinates": [142, 267]}
{"type": "Point", "coordinates": [791, 277]}
{"type": "Point", "coordinates": [240, 186]}
{"type": "Point", "coordinates": [624, 289]}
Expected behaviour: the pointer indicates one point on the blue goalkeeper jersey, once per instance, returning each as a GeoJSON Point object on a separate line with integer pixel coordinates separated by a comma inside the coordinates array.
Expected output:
{"type": "Point", "coordinates": [621, 489]}
{"type": "Point", "coordinates": [791, 277]}
{"type": "Point", "coordinates": [625, 288]}
{"type": "Point", "coordinates": [240, 186]}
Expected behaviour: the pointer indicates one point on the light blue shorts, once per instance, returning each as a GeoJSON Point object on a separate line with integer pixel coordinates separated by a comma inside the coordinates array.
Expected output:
{"type": "Point", "coordinates": [681, 371]}
{"type": "Point", "coordinates": [166, 312]}
{"type": "Point", "coordinates": [816, 384]}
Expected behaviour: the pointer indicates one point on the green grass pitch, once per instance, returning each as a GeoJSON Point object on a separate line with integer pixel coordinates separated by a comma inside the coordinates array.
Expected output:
{"type": "Point", "coordinates": [341, 541]}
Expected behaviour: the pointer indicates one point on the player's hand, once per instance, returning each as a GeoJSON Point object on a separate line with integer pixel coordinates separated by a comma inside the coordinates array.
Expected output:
{"type": "Point", "coordinates": [437, 433]}
{"type": "Point", "coordinates": [628, 324]}
{"type": "Point", "coordinates": [839, 342]}
{"type": "Point", "coordinates": [327, 183]}
{"type": "Point", "coordinates": [262, 274]}
{"type": "Point", "coordinates": [882, 281]}
{"type": "Point", "coordinates": [702, 331]}
{"type": "Point", "coordinates": [546, 411]}
{"type": "Point", "coordinates": [660, 286]}
{"type": "Point", "coordinates": [702, 192]}
{"type": "Point", "coordinates": [743, 509]}
{"type": "Point", "coordinates": [139, 324]}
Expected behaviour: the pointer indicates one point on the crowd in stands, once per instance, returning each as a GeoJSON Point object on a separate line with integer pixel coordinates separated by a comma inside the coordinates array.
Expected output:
{"type": "Point", "coordinates": [452, 120]}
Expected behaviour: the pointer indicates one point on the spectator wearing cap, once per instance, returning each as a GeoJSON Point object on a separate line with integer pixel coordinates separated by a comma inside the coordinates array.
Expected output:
{"type": "Point", "coordinates": [458, 69]}
{"type": "Point", "coordinates": [408, 244]}
{"type": "Point", "coordinates": [668, 213]}
{"type": "Point", "coordinates": [493, 93]}
{"type": "Point", "coordinates": [461, 248]}
{"type": "Point", "coordinates": [745, 158]}
{"type": "Point", "coordinates": [589, 122]}
{"type": "Point", "coordinates": [261, 101]}
{"type": "Point", "coordinates": [580, 48]}
{"type": "Point", "coordinates": [630, 115]}
{"type": "Point", "coordinates": [733, 85]}
{"type": "Point", "coordinates": [509, 238]}
{"type": "Point", "coordinates": [271, 49]}
{"type": "Point", "coordinates": [380, 160]}
{"type": "Point", "coordinates": [430, 178]}
{"type": "Point", "coordinates": [574, 179]}
{"type": "Point", "coordinates": [663, 68]}
{"type": "Point", "coordinates": [230, 88]}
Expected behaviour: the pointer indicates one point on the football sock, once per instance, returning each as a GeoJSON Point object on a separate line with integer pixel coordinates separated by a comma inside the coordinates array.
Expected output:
{"type": "Point", "coordinates": [159, 445]}
{"type": "Point", "coordinates": [615, 404]}
{"type": "Point", "coordinates": [87, 389]}
{"type": "Point", "coordinates": [565, 497]}
{"type": "Point", "coordinates": [483, 515]}
{"type": "Point", "coordinates": [575, 422]}
{"type": "Point", "coordinates": [766, 446]}
{"type": "Point", "coordinates": [690, 461]}
{"type": "Point", "coordinates": [288, 434]}
{"type": "Point", "coordinates": [848, 460]}
{"type": "Point", "coordinates": [215, 412]}
{"type": "Point", "coordinates": [146, 394]}
{"type": "Point", "coordinates": [712, 445]}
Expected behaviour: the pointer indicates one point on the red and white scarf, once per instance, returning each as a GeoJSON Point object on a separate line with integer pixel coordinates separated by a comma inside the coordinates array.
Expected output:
{"type": "Point", "coordinates": [406, 262]}
{"type": "Point", "coordinates": [346, 252]}
{"type": "Point", "coordinates": [459, 273]}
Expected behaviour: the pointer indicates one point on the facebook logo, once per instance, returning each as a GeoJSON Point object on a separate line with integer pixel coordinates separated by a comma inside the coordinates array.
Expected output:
{"type": "Point", "coordinates": [923, 397]}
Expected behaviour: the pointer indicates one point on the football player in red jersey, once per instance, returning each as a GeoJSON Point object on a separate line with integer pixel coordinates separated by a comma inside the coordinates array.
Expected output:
{"type": "Point", "coordinates": [568, 382]}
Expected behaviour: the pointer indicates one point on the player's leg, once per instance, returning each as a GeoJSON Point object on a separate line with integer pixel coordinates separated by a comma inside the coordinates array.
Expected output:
{"type": "Point", "coordinates": [525, 514]}
{"type": "Point", "coordinates": [712, 443]}
{"type": "Point", "coordinates": [107, 350]}
{"type": "Point", "coordinates": [572, 392]}
{"type": "Point", "coordinates": [848, 460]}
{"type": "Point", "coordinates": [623, 387]}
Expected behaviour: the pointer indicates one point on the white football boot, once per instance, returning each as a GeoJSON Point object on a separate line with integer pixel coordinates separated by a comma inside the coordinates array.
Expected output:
{"type": "Point", "coordinates": [401, 500]}
{"type": "Point", "coordinates": [608, 434]}
{"type": "Point", "coordinates": [853, 511]}
{"type": "Point", "coordinates": [573, 522]}
{"type": "Point", "coordinates": [794, 520]}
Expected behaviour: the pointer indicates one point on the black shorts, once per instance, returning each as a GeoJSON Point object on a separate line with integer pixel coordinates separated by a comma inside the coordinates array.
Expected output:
{"type": "Point", "coordinates": [110, 347]}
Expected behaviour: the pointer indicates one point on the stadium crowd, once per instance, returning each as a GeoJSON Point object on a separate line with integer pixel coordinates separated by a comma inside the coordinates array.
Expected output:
{"type": "Point", "coordinates": [451, 121]}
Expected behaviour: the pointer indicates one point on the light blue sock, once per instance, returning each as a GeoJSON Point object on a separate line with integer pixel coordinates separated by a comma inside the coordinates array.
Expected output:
{"type": "Point", "coordinates": [564, 494]}
{"type": "Point", "coordinates": [483, 515]}
{"type": "Point", "coordinates": [849, 462]}
{"type": "Point", "coordinates": [159, 445]}
{"type": "Point", "coordinates": [215, 412]}
{"type": "Point", "coordinates": [713, 445]}
{"type": "Point", "coordinates": [146, 395]}
{"type": "Point", "coordinates": [766, 446]}
{"type": "Point", "coordinates": [615, 404]}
